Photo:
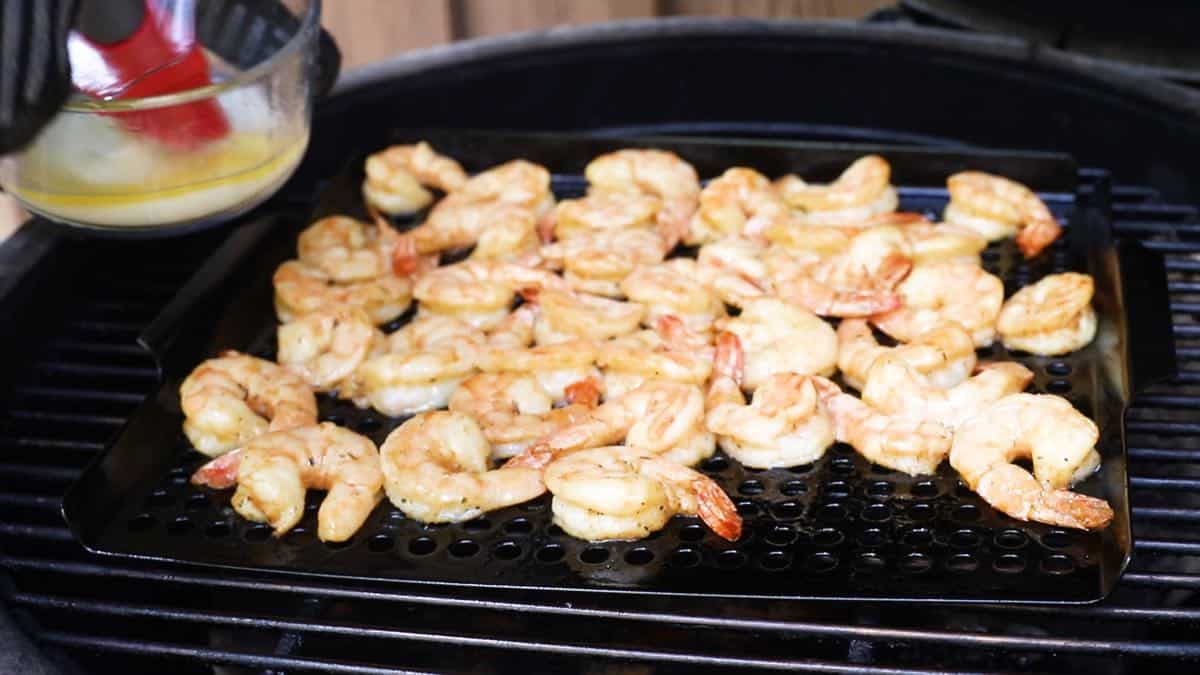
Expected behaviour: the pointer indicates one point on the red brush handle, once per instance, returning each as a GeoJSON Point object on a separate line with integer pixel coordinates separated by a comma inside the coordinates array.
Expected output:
{"type": "Point", "coordinates": [149, 63]}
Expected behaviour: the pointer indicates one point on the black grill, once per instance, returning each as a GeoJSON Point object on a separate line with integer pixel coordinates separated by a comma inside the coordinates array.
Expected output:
{"type": "Point", "coordinates": [75, 373]}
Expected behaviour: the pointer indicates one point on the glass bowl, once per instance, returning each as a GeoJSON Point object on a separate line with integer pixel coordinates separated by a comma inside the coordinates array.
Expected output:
{"type": "Point", "coordinates": [88, 169]}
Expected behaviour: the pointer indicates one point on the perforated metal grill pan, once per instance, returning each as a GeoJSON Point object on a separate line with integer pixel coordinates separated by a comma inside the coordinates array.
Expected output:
{"type": "Point", "coordinates": [840, 528]}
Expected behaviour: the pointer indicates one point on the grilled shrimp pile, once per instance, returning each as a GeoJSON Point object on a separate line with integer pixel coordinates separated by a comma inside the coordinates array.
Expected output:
{"type": "Point", "coordinates": [571, 352]}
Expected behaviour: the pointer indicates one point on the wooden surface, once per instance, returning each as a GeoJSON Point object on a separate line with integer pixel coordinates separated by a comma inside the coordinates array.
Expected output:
{"type": "Point", "coordinates": [369, 30]}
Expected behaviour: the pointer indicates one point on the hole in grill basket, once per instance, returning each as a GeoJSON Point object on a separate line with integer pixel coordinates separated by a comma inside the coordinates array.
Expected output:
{"type": "Point", "coordinates": [790, 510]}
{"type": "Point", "coordinates": [180, 525]}
{"type": "Point", "coordinates": [1056, 539]}
{"type": "Point", "coordinates": [693, 532]}
{"type": "Point", "coordinates": [257, 533]}
{"type": "Point", "coordinates": [141, 522]}
{"type": "Point", "coordinates": [518, 526]}
{"type": "Point", "coordinates": [159, 499]}
{"type": "Point", "coordinates": [832, 512]}
{"type": "Point", "coordinates": [872, 537]}
{"type": "Point", "coordinates": [1058, 386]}
{"type": "Point", "coordinates": [842, 466]}
{"type": "Point", "coordinates": [1059, 368]}
{"type": "Point", "coordinates": [685, 557]}
{"type": "Point", "coordinates": [915, 563]}
{"type": "Point", "coordinates": [828, 537]}
{"type": "Point", "coordinates": [339, 545]}
{"type": "Point", "coordinates": [1009, 563]}
{"type": "Point", "coordinates": [593, 555]}
{"type": "Point", "coordinates": [965, 512]}
{"type": "Point", "coordinates": [367, 425]}
{"type": "Point", "coordinates": [639, 556]}
{"type": "Point", "coordinates": [879, 489]}
{"type": "Point", "coordinates": [380, 543]}
{"type": "Point", "coordinates": [196, 502]}
{"type": "Point", "coordinates": [917, 538]}
{"type": "Point", "coordinates": [751, 487]}
{"type": "Point", "coordinates": [477, 525]}
{"type": "Point", "coordinates": [820, 563]}
{"type": "Point", "coordinates": [924, 511]}
{"type": "Point", "coordinates": [962, 563]}
{"type": "Point", "coordinates": [781, 535]}
{"type": "Point", "coordinates": [925, 489]}
{"type": "Point", "coordinates": [880, 469]}
{"type": "Point", "coordinates": [218, 530]}
{"type": "Point", "coordinates": [731, 560]}
{"type": "Point", "coordinates": [793, 488]}
{"type": "Point", "coordinates": [550, 553]}
{"type": "Point", "coordinates": [1011, 539]}
{"type": "Point", "coordinates": [965, 538]}
{"type": "Point", "coordinates": [868, 563]}
{"type": "Point", "coordinates": [464, 548]}
{"type": "Point", "coordinates": [877, 513]}
{"type": "Point", "coordinates": [554, 530]}
{"type": "Point", "coordinates": [1058, 564]}
{"type": "Point", "coordinates": [507, 550]}
{"type": "Point", "coordinates": [297, 537]}
{"type": "Point", "coordinates": [747, 508]}
{"type": "Point", "coordinates": [336, 419]}
{"type": "Point", "coordinates": [836, 489]}
{"type": "Point", "coordinates": [422, 546]}
{"type": "Point", "coordinates": [775, 561]}
{"type": "Point", "coordinates": [715, 464]}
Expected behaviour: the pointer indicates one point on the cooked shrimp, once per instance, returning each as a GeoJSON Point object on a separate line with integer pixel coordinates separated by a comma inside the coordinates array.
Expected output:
{"type": "Point", "coordinates": [625, 493]}
{"type": "Point", "coordinates": [273, 472]}
{"type": "Point", "coordinates": [597, 262]}
{"type": "Point", "coordinates": [457, 223]}
{"type": "Point", "coordinates": [555, 366]}
{"type": "Point", "coordinates": [655, 355]}
{"type": "Point", "coordinates": [424, 363]}
{"type": "Point", "coordinates": [511, 239]}
{"type": "Point", "coordinates": [649, 172]}
{"type": "Point", "coordinates": [343, 248]}
{"type": "Point", "coordinates": [1061, 443]}
{"type": "Point", "coordinates": [603, 211]}
{"type": "Point", "coordinates": [911, 445]}
{"type": "Point", "coordinates": [674, 287]}
{"type": "Point", "coordinates": [733, 267]}
{"type": "Point", "coordinates": [568, 316]}
{"type": "Point", "coordinates": [860, 192]}
{"type": "Point", "coordinates": [234, 398]}
{"type": "Point", "coordinates": [514, 410]}
{"type": "Point", "coordinates": [396, 177]}
{"type": "Point", "coordinates": [997, 208]}
{"type": "Point", "coordinates": [326, 348]}
{"type": "Point", "coordinates": [302, 289]}
{"type": "Point", "coordinates": [939, 292]}
{"type": "Point", "coordinates": [894, 388]}
{"type": "Point", "coordinates": [943, 243]}
{"type": "Point", "coordinates": [739, 202]}
{"type": "Point", "coordinates": [781, 338]}
{"type": "Point", "coordinates": [856, 282]}
{"type": "Point", "coordinates": [436, 469]}
{"type": "Point", "coordinates": [663, 418]}
{"type": "Point", "coordinates": [785, 425]}
{"type": "Point", "coordinates": [945, 354]}
{"type": "Point", "coordinates": [817, 240]}
{"type": "Point", "coordinates": [478, 291]}
{"type": "Point", "coordinates": [1053, 316]}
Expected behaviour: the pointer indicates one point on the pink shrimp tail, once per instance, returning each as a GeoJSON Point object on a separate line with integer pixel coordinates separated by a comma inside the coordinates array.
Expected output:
{"type": "Point", "coordinates": [529, 293]}
{"type": "Point", "coordinates": [892, 270]}
{"type": "Point", "coordinates": [220, 473]}
{"type": "Point", "coordinates": [729, 359]}
{"type": "Point", "coordinates": [536, 456]}
{"type": "Point", "coordinates": [717, 510]}
{"type": "Point", "coordinates": [898, 218]}
{"type": "Point", "coordinates": [546, 225]}
{"type": "Point", "coordinates": [405, 259]}
{"type": "Point", "coordinates": [1037, 235]}
{"type": "Point", "coordinates": [585, 392]}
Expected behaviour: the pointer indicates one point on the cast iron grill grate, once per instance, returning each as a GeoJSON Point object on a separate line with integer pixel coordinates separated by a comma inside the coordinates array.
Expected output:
{"type": "Point", "coordinates": [131, 617]}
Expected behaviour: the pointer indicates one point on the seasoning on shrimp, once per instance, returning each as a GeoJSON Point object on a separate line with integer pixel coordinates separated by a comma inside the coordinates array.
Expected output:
{"type": "Point", "coordinates": [778, 337]}
{"type": "Point", "coordinates": [786, 424]}
{"type": "Point", "coordinates": [597, 262]}
{"type": "Point", "coordinates": [998, 208]}
{"type": "Point", "coordinates": [514, 410]}
{"type": "Point", "coordinates": [675, 287]}
{"type": "Point", "coordinates": [326, 348]}
{"type": "Point", "coordinates": [1052, 317]}
{"type": "Point", "coordinates": [273, 471]}
{"type": "Point", "coordinates": [1058, 439]}
{"type": "Point", "coordinates": [657, 173]}
{"type": "Point", "coordinates": [856, 282]}
{"type": "Point", "coordinates": [397, 176]}
{"type": "Point", "coordinates": [740, 202]}
{"type": "Point", "coordinates": [861, 191]}
{"type": "Point", "coordinates": [945, 355]}
{"type": "Point", "coordinates": [945, 291]}
{"type": "Point", "coordinates": [232, 399]}
{"type": "Point", "coordinates": [893, 387]}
